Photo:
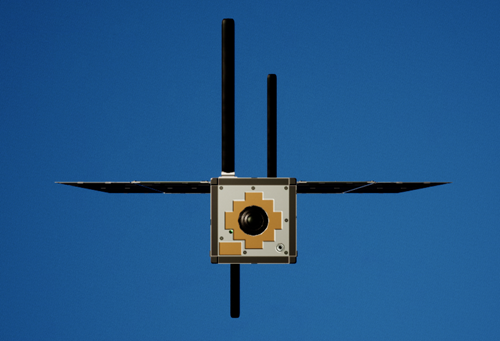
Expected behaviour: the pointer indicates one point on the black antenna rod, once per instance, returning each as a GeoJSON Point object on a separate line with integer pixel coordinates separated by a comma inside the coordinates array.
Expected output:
{"type": "Point", "coordinates": [228, 95]}
{"type": "Point", "coordinates": [235, 290]}
{"type": "Point", "coordinates": [272, 127]}
{"type": "Point", "coordinates": [228, 138]}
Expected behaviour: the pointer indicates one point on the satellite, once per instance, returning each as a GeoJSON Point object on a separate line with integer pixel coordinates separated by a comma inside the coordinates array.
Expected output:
{"type": "Point", "coordinates": [253, 220]}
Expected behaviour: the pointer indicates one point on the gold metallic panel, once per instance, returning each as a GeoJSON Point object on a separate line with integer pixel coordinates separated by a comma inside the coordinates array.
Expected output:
{"type": "Point", "coordinates": [253, 199]}
{"type": "Point", "coordinates": [230, 248]}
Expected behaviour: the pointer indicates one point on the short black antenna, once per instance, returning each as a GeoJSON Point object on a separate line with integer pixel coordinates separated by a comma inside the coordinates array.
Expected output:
{"type": "Point", "coordinates": [228, 137]}
{"type": "Point", "coordinates": [272, 125]}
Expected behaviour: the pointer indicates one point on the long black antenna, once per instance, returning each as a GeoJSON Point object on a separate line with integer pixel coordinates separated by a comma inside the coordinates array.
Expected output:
{"type": "Point", "coordinates": [228, 95]}
{"type": "Point", "coordinates": [228, 137]}
{"type": "Point", "coordinates": [272, 126]}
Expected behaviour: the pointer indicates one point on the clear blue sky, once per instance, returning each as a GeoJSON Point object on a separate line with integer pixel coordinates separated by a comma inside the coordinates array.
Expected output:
{"type": "Point", "coordinates": [367, 90]}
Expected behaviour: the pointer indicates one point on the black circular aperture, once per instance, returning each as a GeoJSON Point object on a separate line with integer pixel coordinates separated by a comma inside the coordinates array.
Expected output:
{"type": "Point", "coordinates": [253, 220]}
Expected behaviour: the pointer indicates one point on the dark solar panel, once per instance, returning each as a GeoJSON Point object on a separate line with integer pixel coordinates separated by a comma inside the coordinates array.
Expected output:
{"type": "Point", "coordinates": [145, 186]}
{"type": "Point", "coordinates": [361, 187]}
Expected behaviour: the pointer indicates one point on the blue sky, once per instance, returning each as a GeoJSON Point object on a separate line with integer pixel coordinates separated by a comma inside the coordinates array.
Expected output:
{"type": "Point", "coordinates": [367, 90]}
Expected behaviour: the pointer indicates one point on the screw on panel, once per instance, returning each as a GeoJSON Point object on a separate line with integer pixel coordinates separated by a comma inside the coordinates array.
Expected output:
{"type": "Point", "coordinates": [286, 252]}
{"type": "Point", "coordinates": [286, 220]}
{"type": "Point", "coordinates": [221, 238]}
{"type": "Point", "coordinates": [286, 187]}
{"type": "Point", "coordinates": [253, 187]}
{"type": "Point", "coordinates": [244, 252]}
{"type": "Point", "coordinates": [220, 187]}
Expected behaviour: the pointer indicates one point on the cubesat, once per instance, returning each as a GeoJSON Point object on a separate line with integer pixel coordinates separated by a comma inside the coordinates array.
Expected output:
{"type": "Point", "coordinates": [253, 220]}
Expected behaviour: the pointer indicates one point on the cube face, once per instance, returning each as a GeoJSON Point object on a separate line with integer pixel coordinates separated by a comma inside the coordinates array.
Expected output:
{"type": "Point", "coordinates": [253, 220]}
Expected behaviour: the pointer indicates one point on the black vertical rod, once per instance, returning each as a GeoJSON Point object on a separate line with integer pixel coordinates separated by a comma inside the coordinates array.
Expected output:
{"type": "Point", "coordinates": [272, 126]}
{"type": "Point", "coordinates": [228, 95]}
{"type": "Point", "coordinates": [228, 138]}
{"type": "Point", "coordinates": [235, 290]}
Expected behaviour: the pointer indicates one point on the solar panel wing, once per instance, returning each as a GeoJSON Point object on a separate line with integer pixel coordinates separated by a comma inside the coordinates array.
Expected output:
{"type": "Point", "coordinates": [145, 186]}
{"type": "Point", "coordinates": [361, 186]}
